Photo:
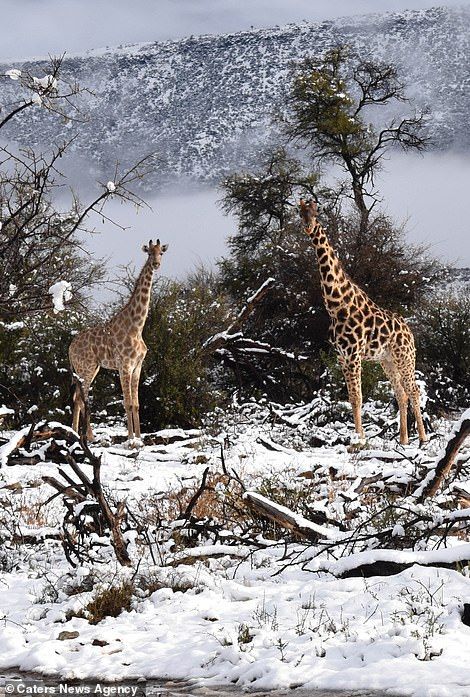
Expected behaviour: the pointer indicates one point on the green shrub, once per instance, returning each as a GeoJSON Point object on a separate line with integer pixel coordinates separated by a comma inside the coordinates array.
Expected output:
{"type": "Point", "coordinates": [35, 375]}
{"type": "Point", "coordinates": [176, 388]}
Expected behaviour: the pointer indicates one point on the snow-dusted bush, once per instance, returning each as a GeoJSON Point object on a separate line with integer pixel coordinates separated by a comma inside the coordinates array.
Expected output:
{"type": "Point", "coordinates": [35, 376]}
{"type": "Point", "coordinates": [443, 327]}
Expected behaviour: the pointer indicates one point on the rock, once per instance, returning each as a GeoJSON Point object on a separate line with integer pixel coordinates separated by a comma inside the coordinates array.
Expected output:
{"type": "Point", "coordinates": [99, 642]}
{"type": "Point", "coordinates": [65, 636]}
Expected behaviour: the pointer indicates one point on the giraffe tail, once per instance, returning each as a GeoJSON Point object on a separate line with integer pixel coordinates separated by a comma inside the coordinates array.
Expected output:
{"type": "Point", "coordinates": [75, 391]}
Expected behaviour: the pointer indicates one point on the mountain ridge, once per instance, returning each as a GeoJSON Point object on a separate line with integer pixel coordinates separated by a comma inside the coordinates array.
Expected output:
{"type": "Point", "coordinates": [205, 103]}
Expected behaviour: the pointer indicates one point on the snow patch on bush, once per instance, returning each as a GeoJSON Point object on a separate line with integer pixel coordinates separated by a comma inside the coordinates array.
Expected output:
{"type": "Point", "coordinates": [61, 293]}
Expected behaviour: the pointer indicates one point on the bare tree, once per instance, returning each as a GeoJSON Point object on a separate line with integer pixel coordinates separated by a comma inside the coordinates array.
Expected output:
{"type": "Point", "coordinates": [39, 245]}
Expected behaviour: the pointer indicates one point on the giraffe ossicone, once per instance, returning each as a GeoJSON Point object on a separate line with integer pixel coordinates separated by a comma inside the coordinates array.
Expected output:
{"type": "Point", "coordinates": [117, 344]}
{"type": "Point", "coordinates": [363, 331]}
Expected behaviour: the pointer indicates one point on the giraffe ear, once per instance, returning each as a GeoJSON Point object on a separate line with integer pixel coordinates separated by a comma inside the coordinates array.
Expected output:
{"type": "Point", "coordinates": [145, 249]}
{"type": "Point", "coordinates": [164, 248]}
{"type": "Point", "coordinates": [303, 210]}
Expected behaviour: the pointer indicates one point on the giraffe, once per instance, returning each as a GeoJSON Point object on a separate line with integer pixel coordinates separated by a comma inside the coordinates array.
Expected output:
{"type": "Point", "coordinates": [118, 345]}
{"type": "Point", "coordinates": [361, 330]}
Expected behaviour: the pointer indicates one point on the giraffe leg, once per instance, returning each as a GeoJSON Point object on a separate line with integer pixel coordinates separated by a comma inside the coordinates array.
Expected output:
{"type": "Point", "coordinates": [352, 374]}
{"type": "Point", "coordinates": [413, 392]}
{"type": "Point", "coordinates": [393, 374]}
{"type": "Point", "coordinates": [80, 407]}
{"type": "Point", "coordinates": [125, 375]}
{"type": "Point", "coordinates": [135, 396]}
{"type": "Point", "coordinates": [76, 411]}
{"type": "Point", "coordinates": [77, 400]}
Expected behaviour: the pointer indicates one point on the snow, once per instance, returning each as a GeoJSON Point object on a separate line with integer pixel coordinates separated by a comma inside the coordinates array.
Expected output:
{"type": "Point", "coordinates": [111, 186]}
{"type": "Point", "coordinates": [12, 326]}
{"type": "Point", "coordinates": [12, 444]}
{"type": "Point", "coordinates": [266, 283]}
{"type": "Point", "coordinates": [225, 613]}
{"type": "Point", "coordinates": [13, 74]}
{"type": "Point", "coordinates": [460, 552]}
{"type": "Point", "coordinates": [302, 631]}
{"type": "Point", "coordinates": [464, 417]}
{"type": "Point", "coordinates": [48, 82]}
{"type": "Point", "coordinates": [61, 293]}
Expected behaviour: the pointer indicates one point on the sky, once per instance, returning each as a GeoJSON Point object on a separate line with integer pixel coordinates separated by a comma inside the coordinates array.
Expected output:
{"type": "Point", "coordinates": [40, 27]}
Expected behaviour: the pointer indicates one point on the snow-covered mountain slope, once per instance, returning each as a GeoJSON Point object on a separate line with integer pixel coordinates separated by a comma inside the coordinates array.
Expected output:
{"type": "Point", "coordinates": [206, 104]}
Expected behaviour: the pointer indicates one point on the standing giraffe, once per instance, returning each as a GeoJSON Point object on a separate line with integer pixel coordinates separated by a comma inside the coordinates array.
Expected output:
{"type": "Point", "coordinates": [117, 344]}
{"type": "Point", "coordinates": [361, 330]}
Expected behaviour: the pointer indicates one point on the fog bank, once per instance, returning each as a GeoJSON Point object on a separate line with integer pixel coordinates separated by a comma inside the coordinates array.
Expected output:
{"type": "Point", "coordinates": [429, 194]}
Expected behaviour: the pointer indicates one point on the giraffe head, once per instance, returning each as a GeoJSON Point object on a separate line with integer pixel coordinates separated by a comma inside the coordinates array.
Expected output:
{"type": "Point", "coordinates": [155, 252]}
{"type": "Point", "coordinates": [308, 213]}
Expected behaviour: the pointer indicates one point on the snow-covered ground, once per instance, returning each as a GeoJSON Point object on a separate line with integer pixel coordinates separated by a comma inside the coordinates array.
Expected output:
{"type": "Point", "coordinates": [274, 614]}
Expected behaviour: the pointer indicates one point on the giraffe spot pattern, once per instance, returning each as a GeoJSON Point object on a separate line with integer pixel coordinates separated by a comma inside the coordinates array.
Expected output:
{"type": "Point", "coordinates": [360, 330]}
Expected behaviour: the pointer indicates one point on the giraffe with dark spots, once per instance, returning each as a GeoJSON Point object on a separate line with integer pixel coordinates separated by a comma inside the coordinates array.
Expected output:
{"type": "Point", "coordinates": [363, 331]}
{"type": "Point", "coordinates": [117, 345]}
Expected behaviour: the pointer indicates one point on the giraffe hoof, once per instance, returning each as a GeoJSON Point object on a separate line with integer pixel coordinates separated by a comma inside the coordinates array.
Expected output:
{"type": "Point", "coordinates": [133, 443]}
{"type": "Point", "coordinates": [358, 443]}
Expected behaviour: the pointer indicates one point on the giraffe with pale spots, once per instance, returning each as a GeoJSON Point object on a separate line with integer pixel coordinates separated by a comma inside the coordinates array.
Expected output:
{"type": "Point", "coordinates": [363, 331]}
{"type": "Point", "coordinates": [117, 345]}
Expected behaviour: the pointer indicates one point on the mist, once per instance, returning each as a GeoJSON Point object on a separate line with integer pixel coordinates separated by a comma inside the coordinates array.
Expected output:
{"type": "Point", "coordinates": [190, 221]}
{"type": "Point", "coordinates": [427, 194]}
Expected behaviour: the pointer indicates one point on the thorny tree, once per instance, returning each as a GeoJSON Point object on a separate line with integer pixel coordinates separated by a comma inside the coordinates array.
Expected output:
{"type": "Point", "coordinates": [268, 241]}
{"type": "Point", "coordinates": [331, 106]}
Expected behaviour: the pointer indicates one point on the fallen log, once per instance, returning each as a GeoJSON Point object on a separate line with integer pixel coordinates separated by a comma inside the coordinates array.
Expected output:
{"type": "Point", "coordinates": [286, 518]}
{"type": "Point", "coordinates": [9, 451]}
{"type": "Point", "coordinates": [387, 562]}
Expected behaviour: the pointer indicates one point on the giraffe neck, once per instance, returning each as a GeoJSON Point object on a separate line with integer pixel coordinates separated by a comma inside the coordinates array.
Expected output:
{"type": "Point", "coordinates": [136, 310]}
{"type": "Point", "coordinates": [337, 289]}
